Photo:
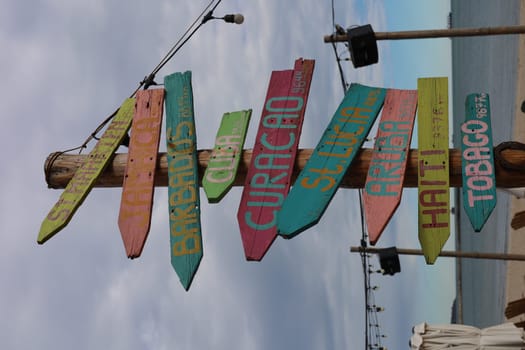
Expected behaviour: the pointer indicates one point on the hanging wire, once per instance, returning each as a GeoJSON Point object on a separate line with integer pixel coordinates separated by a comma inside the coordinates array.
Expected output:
{"type": "Point", "coordinates": [149, 79]}
{"type": "Point", "coordinates": [146, 83]}
{"type": "Point", "coordinates": [337, 29]}
{"type": "Point", "coordinates": [373, 334]}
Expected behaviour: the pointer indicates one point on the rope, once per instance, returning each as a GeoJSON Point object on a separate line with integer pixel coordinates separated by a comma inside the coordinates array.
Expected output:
{"type": "Point", "coordinates": [498, 155]}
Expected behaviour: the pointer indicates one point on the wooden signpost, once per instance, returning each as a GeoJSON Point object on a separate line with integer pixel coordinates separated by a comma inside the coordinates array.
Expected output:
{"type": "Point", "coordinates": [479, 180]}
{"type": "Point", "coordinates": [183, 180]}
{"type": "Point", "coordinates": [269, 175]}
{"type": "Point", "coordinates": [86, 176]}
{"type": "Point", "coordinates": [384, 182]}
{"type": "Point", "coordinates": [433, 170]}
{"type": "Point", "coordinates": [321, 176]}
{"type": "Point", "coordinates": [226, 155]}
{"type": "Point", "coordinates": [138, 187]}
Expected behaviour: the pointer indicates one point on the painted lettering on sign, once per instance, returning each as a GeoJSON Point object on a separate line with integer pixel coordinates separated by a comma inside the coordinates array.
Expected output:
{"type": "Point", "coordinates": [479, 182]}
{"type": "Point", "coordinates": [433, 166]}
{"type": "Point", "coordinates": [138, 187]}
{"type": "Point", "coordinates": [322, 174]}
{"type": "Point", "coordinates": [269, 175]}
{"type": "Point", "coordinates": [85, 177]}
{"type": "Point", "coordinates": [224, 160]}
{"type": "Point", "coordinates": [183, 185]}
{"type": "Point", "coordinates": [386, 173]}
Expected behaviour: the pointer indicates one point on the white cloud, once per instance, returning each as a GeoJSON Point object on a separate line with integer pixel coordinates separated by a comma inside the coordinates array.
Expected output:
{"type": "Point", "coordinates": [67, 66]}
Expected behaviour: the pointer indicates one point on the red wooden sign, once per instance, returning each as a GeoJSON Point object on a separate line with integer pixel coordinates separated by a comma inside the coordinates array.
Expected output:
{"type": "Point", "coordinates": [138, 187]}
{"type": "Point", "coordinates": [268, 178]}
{"type": "Point", "coordinates": [384, 182]}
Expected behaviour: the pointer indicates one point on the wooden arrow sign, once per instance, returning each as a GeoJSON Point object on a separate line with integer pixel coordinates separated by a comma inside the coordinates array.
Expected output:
{"type": "Point", "coordinates": [137, 190]}
{"type": "Point", "coordinates": [226, 155]}
{"type": "Point", "coordinates": [479, 179]}
{"type": "Point", "coordinates": [183, 179]}
{"type": "Point", "coordinates": [269, 176]}
{"type": "Point", "coordinates": [384, 182]}
{"type": "Point", "coordinates": [86, 176]}
{"type": "Point", "coordinates": [433, 170]}
{"type": "Point", "coordinates": [322, 174]}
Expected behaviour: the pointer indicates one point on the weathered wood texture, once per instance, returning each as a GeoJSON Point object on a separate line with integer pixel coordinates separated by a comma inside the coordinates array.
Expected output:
{"type": "Point", "coordinates": [384, 183]}
{"type": "Point", "coordinates": [138, 188]}
{"type": "Point", "coordinates": [183, 178]}
{"type": "Point", "coordinates": [479, 188]}
{"type": "Point", "coordinates": [61, 167]}
{"type": "Point", "coordinates": [90, 170]}
{"type": "Point", "coordinates": [226, 155]}
{"type": "Point", "coordinates": [268, 178]}
{"type": "Point", "coordinates": [322, 175]}
{"type": "Point", "coordinates": [433, 189]}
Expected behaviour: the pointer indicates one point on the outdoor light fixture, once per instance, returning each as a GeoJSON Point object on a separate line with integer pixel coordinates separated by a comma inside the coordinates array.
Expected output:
{"type": "Point", "coordinates": [232, 18]}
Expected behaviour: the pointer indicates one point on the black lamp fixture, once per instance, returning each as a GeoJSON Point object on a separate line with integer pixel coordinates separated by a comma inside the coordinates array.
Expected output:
{"type": "Point", "coordinates": [231, 18]}
{"type": "Point", "coordinates": [389, 261]}
{"type": "Point", "coordinates": [363, 45]}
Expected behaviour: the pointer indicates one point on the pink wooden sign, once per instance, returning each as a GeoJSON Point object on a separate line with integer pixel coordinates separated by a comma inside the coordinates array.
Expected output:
{"type": "Point", "coordinates": [138, 187]}
{"type": "Point", "coordinates": [268, 178]}
{"type": "Point", "coordinates": [384, 182]}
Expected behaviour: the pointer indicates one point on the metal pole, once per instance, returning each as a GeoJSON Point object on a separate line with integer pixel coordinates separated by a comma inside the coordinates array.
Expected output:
{"type": "Point", "coordinates": [435, 33]}
{"type": "Point", "coordinates": [453, 254]}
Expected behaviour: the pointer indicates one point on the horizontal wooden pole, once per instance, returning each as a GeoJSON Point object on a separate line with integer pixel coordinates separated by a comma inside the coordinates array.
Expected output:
{"type": "Point", "coordinates": [435, 33]}
{"type": "Point", "coordinates": [447, 253]}
{"type": "Point", "coordinates": [59, 169]}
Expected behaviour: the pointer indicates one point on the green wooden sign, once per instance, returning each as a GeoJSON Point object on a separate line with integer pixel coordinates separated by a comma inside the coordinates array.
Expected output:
{"type": "Point", "coordinates": [479, 179]}
{"type": "Point", "coordinates": [433, 166]}
{"type": "Point", "coordinates": [226, 155]}
{"type": "Point", "coordinates": [183, 180]}
{"type": "Point", "coordinates": [82, 182]}
{"type": "Point", "coordinates": [318, 181]}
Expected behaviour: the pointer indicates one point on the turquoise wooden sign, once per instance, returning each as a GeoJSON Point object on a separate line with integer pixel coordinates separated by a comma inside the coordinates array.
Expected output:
{"type": "Point", "coordinates": [477, 161]}
{"type": "Point", "coordinates": [183, 180]}
{"type": "Point", "coordinates": [318, 181]}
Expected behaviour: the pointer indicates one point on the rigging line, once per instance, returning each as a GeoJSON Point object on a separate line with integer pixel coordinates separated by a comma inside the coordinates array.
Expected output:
{"type": "Point", "coordinates": [169, 55]}
{"type": "Point", "coordinates": [176, 47]}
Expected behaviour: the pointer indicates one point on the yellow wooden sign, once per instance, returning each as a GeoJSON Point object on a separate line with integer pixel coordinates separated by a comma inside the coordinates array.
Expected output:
{"type": "Point", "coordinates": [85, 177]}
{"type": "Point", "coordinates": [433, 166]}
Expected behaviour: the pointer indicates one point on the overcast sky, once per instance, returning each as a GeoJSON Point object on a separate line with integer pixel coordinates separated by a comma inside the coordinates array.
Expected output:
{"type": "Point", "coordinates": [67, 64]}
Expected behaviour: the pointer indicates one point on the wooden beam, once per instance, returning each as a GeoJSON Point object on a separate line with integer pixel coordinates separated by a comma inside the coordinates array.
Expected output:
{"type": "Point", "coordinates": [59, 169]}
{"type": "Point", "coordinates": [435, 33]}
{"type": "Point", "coordinates": [446, 253]}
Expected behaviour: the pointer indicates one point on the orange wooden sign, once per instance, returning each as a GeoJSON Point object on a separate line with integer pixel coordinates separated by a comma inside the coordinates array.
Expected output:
{"type": "Point", "coordinates": [384, 182]}
{"type": "Point", "coordinates": [137, 190]}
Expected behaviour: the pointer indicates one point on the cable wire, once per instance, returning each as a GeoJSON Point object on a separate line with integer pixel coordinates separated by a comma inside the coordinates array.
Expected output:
{"type": "Point", "coordinates": [149, 79]}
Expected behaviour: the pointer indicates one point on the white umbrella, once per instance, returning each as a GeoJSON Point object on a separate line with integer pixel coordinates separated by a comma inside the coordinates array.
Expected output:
{"type": "Point", "coordinates": [463, 337]}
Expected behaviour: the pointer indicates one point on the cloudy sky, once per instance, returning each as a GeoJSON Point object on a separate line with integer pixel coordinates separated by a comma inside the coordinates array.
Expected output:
{"type": "Point", "coordinates": [67, 64]}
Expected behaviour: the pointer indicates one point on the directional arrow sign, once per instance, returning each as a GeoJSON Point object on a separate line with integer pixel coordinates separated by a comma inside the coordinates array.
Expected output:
{"type": "Point", "coordinates": [269, 175]}
{"type": "Point", "coordinates": [433, 169]}
{"type": "Point", "coordinates": [183, 180]}
{"type": "Point", "coordinates": [86, 176]}
{"type": "Point", "coordinates": [317, 183]}
{"type": "Point", "coordinates": [137, 190]}
{"type": "Point", "coordinates": [226, 155]}
{"type": "Point", "coordinates": [384, 182]}
{"type": "Point", "coordinates": [479, 179]}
